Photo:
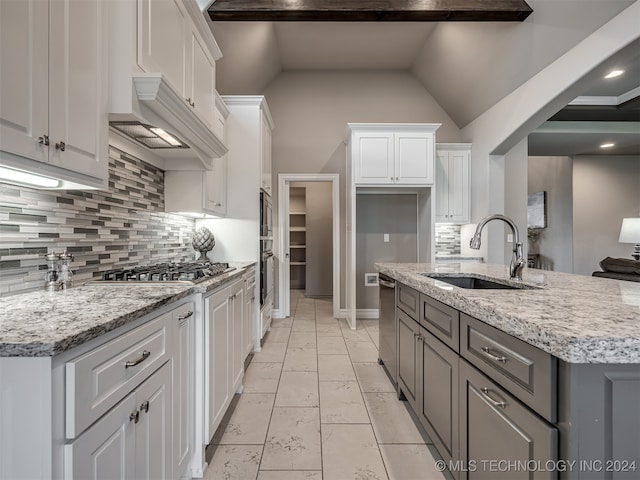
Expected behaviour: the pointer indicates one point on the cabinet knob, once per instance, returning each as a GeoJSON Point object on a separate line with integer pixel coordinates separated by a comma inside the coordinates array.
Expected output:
{"type": "Point", "coordinates": [44, 140]}
{"type": "Point", "coordinates": [217, 204]}
{"type": "Point", "coordinates": [135, 416]}
{"type": "Point", "coordinates": [61, 146]}
{"type": "Point", "coordinates": [397, 178]}
{"type": "Point", "coordinates": [193, 104]}
{"type": "Point", "coordinates": [145, 406]}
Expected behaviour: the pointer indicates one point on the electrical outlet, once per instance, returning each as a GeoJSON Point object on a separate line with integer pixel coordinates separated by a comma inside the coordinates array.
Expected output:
{"type": "Point", "coordinates": [510, 238]}
{"type": "Point", "coordinates": [386, 238]}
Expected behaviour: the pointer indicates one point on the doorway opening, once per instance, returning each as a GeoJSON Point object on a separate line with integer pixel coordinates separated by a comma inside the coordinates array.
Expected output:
{"type": "Point", "coordinates": [308, 232]}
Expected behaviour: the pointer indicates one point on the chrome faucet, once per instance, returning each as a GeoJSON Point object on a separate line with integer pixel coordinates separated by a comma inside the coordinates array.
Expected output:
{"type": "Point", "coordinates": [517, 260]}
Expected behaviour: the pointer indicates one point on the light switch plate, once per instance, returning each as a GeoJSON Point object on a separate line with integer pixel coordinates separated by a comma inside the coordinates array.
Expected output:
{"type": "Point", "coordinates": [386, 238]}
{"type": "Point", "coordinates": [510, 238]}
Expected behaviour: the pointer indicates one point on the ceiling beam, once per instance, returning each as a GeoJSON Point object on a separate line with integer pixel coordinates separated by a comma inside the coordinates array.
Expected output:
{"type": "Point", "coordinates": [370, 10]}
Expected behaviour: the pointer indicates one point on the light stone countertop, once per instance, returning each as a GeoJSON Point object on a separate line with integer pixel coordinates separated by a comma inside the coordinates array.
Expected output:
{"type": "Point", "coordinates": [579, 319]}
{"type": "Point", "coordinates": [43, 324]}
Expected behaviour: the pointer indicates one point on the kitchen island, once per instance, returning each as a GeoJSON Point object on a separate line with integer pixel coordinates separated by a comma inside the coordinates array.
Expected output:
{"type": "Point", "coordinates": [545, 375]}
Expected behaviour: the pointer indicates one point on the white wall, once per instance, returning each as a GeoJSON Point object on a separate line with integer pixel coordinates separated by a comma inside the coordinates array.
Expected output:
{"type": "Point", "coordinates": [605, 190]}
{"type": "Point", "coordinates": [554, 176]}
{"type": "Point", "coordinates": [311, 111]}
{"type": "Point", "coordinates": [515, 194]}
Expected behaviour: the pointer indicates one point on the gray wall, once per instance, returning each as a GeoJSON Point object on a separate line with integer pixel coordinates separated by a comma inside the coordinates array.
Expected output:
{"type": "Point", "coordinates": [319, 251]}
{"type": "Point", "coordinates": [311, 112]}
{"type": "Point", "coordinates": [605, 190]}
{"type": "Point", "coordinates": [554, 176]}
{"type": "Point", "coordinates": [515, 195]}
{"type": "Point", "coordinates": [379, 214]}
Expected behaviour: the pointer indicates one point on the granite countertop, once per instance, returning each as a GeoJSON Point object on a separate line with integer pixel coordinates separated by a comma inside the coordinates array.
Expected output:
{"type": "Point", "coordinates": [577, 318]}
{"type": "Point", "coordinates": [43, 324]}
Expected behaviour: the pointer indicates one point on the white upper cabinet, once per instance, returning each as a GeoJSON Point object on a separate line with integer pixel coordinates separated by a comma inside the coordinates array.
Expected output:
{"type": "Point", "coordinates": [265, 147]}
{"type": "Point", "coordinates": [201, 192]}
{"type": "Point", "coordinates": [163, 27]}
{"type": "Point", "coordinates": [170, 43]}
{"type": "Point", "coordinates": [452, 183]}
{"type": "Point", "coordinates": [54, 88]}
{"type": "Point", "coordinates": [393, 154]}
{"type": "Point", "coordinates": [201, 79]}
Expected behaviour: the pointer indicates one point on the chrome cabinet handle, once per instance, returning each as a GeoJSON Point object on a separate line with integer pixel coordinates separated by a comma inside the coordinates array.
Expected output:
{"type": "Point", "coordinates": [487, 353]}
{"type": "Point", "coordinates": [139, 360]}
{"type": "Point", "coordinates": [193, 104]}
{"type": "Point", "coordinates": [44, 140]}
{"type": "Point", "coordinates": [185, 316]}
{"type": "Point", "coordinates": [135, 416]}
{"type": "Point", "coordinates": [496, 403]}
{"type": "Point", "coordinates": [145, 406]}
{"type": "Point", "coordinates": [61, 146]}
{"type": "Point", "coordinates": [384, 283]}
{"type": "Point", "coordinates": [217, 204]}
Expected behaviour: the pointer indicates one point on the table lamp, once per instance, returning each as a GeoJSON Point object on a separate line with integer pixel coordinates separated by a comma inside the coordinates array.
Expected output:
{"type": "Point", "coordinates": [630, 233]}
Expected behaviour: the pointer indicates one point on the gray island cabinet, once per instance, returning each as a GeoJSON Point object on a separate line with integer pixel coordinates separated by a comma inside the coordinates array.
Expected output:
{"type": "Point", "coordinates": [508, 386]}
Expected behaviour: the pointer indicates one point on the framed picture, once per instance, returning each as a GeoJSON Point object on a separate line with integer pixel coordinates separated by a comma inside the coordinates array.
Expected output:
{"type": "Point", "coordinates": [537, 210]}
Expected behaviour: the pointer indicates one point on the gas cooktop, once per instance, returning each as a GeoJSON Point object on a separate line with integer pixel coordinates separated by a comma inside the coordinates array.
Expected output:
{"type": "Point", "coordinates": [189, 272]}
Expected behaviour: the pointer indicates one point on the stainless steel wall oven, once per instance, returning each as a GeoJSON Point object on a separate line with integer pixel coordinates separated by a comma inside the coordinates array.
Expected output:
{"type": "Point", "coordinates": [266, 248]}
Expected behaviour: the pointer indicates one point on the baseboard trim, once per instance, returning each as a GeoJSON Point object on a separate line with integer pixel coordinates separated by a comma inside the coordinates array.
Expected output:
{"type": "Point", "coordinates": [368, 313]}
{"type": "Point", "coordinates": [276, 314]}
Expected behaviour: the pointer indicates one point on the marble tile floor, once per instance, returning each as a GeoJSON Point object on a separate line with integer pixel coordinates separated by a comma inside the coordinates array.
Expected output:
{"type": "Point", "coordinates": [316, 405]}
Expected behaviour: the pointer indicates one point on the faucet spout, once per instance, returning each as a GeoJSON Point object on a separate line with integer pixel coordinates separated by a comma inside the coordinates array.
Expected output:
{"type": "Point", "coordinates": [517, 260]}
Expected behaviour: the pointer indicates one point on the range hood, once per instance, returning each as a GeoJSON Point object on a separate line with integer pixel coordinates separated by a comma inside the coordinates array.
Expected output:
{"type": "Point", "coordinates": [160, 127]}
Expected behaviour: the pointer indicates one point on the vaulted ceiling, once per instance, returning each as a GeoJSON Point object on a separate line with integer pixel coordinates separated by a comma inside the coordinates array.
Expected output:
{"type": "Point", "coordinates": [467, 67]}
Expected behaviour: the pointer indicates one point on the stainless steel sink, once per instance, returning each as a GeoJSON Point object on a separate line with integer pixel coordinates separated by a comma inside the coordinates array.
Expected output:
{"type": "Point", "coordinates": [474, 282]}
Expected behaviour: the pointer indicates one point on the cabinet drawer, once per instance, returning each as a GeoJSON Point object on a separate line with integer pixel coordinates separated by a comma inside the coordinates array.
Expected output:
{"type": "Point", "coordinates": [442, 321]}
{"type": "Point", "coordinates": [495, 426]}
{"type": "Point", "coordinates": [99, 379]}
{"type": "Point", "coordinates": [408, 300]}
{"type": "Point", "coordinates": [526, 371]}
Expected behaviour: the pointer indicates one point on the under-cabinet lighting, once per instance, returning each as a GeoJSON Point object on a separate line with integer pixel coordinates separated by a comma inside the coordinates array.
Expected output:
{"type": "Point", "coordinates": [607, 145]}
{"type": "Point", "coordinates": [166, 137]}
{"type": "Point", "coordinates": [614, 73]}
{"type": "Point", "coordinates": [18, 177]}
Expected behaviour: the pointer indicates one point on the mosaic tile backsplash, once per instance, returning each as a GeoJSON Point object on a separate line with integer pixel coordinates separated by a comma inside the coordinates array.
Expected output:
{"type": "Point", "coordinates": [447, 239]}
{"type": "Point", "coordinates": [123, 226]}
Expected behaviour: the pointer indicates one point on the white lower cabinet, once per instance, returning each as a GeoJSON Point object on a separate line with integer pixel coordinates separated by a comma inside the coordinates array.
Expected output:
{"type": "Point", "coordinates": [131, 441]}
{"type": "Point", "coordinates": [224, 361]}
{"type": "Point", "coordinates": [184, 390]}
{"type": "Point", "coordinates": [250, 312]}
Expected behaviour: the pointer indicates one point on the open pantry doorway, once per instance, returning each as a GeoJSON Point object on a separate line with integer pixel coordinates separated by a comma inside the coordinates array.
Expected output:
{"type": "Point", "coordinates": [309, 255]}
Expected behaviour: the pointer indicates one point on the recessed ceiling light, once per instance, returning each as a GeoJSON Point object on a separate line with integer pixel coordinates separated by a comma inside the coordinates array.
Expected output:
{"type": "Point", "coordinates": [607, 145]}
{"type": "Point", "coordinates": [614, 73]}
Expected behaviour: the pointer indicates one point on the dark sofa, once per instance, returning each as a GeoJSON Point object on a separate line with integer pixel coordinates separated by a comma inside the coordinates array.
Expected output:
{"type": "Point", "coordinates": [620, 269]}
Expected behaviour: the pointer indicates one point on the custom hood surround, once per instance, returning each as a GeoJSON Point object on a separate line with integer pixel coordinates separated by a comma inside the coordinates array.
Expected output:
{"type": "Point", "coordinates": [155, 104]}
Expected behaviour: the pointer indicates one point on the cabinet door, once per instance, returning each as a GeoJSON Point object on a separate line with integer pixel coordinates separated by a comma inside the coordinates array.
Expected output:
{"type": "Point", "coordinates": [215, 188]}
{"type": "Point", "coordinates": [265, 150]}
{"type": "Point", "coordinates": [438, 395]}
{"type": "Point", "coordinates": [201, 78]}
{"type": "Point", "coordinates": [442, 187]}
{"type": "Point", "coordinates": [24, 77]}
{"type": "Point", "coordinates": [373, 158]}
{"type": "Point", "coordinates": [107, 449]}
{"type": "Point", "coordinates": [184, 391]}
{"type": "Point", "coordinates": [78, 111]}
{"type": "Point", "coordinates": [249, 314]}
{"type": "Point", "coordinates": [414, 158]}
{"type": "Point", "coordinates": [154, 428]}
{"type": "Point", "coordinates": [458, 173]}
{"type": "Point", "coordinates": [407, 356]}
{"type": "Point", "coordinates": [162, 34]}
{"type": "Point", "coordinates": [237, 319]}
{"type": "Point", "coordinates": [217, 356]}
{"type": "Point", "coordinates": [494, 426]}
